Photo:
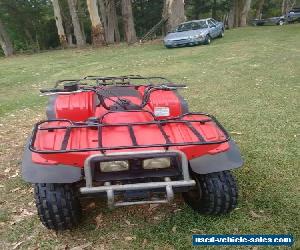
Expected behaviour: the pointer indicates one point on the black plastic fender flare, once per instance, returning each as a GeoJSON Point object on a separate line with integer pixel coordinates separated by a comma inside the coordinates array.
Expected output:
{"type": "Point", "coordinates": [206, 164]}
{"type": "Point", "coordinates": [39, 173]}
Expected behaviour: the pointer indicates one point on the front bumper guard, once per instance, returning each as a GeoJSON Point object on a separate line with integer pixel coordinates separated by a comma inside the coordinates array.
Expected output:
{"type": "Point", "coordinates": [110, 190]}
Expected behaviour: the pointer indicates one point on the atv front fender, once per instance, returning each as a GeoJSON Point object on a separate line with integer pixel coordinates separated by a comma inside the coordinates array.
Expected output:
{"type": "Point", "coordinates": [39, 173]}
{"type": "Point", "coordinates": [219, 162]}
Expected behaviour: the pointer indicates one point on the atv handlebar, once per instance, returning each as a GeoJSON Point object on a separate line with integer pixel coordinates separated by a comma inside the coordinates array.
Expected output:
{"type": "Point", "coordinates": [121, 102]}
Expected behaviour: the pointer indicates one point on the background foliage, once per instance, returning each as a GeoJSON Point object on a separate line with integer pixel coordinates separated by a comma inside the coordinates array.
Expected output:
{"type": "Point", "coordinates": [31, 24]}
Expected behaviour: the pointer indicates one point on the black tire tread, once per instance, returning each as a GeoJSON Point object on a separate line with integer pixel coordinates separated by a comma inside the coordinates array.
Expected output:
{"type": "Point", "coordinates": [58, 205]}
{"type": "Point", "coordinates": [219, 193]}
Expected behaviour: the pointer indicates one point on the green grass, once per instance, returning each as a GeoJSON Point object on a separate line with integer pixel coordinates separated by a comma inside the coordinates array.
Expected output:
{"type": "Point", "coordinates": [249, 80]}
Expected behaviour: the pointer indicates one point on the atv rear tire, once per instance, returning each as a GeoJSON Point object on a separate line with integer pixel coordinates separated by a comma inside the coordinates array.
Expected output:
{"type": "Point", "coordinates": [214, 193]}
{"type": "Point", "coordinates": [58, 205]}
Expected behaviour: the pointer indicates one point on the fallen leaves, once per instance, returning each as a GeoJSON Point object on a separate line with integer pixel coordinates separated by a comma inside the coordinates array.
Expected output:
{"type": "Point", "coordinates": [16, 245]}
{"type": "Point", "coordinates": [22, 214]}
{"type": "Point", "coordinates": [153, 207]}
{"type": "Point", "coordinates": [255, 215]}
{"type": "Point", "coordinates": [129, 223]}
{"type": "Point", "coordinates": [90, 206]}
{"type": "Point", "coordinates": [84, 246]}
{"type": "Point", "coordinates": [129, 238]}
{"type": "Point", "coordinates": [15, 190]}
{"type": "Point", "coordinates": [7, 170]}
{"type": "Point", "coordinates": [236, 133]}
{"type": "Point", "coordinates": [99, 220]}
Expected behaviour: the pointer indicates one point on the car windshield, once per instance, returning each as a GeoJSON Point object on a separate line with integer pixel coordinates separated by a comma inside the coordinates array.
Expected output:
{"type": "Point", "coordinates": [191, 26]}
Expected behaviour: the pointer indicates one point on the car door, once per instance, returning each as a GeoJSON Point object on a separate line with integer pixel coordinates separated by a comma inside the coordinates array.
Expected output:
{"type": "Point", "coordinates": [219, 26]}
{"type": "Point", "coordinates": [213, 31]}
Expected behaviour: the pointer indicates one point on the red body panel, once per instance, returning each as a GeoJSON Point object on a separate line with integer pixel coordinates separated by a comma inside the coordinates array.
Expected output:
{"type": "Point", "coordinates": [75, 107]}
{"type": "Point", "coordinates": [81, 106]}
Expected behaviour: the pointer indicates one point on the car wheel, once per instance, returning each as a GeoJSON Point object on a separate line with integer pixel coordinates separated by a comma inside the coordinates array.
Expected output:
{"type": "Point", "coordinates": [281, 22]}
{"type": "Point", "coordinates": [222, 34]}
{"type": "Point", "coordinates": [214, 193]}
{"type": "Point", "coordinates": [207, 40]}
{"type": "Point", "coordinates": [58, 205]}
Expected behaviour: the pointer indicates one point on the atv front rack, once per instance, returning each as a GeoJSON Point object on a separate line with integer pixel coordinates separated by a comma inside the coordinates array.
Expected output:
{"type": "Point", "coordinates": [40, 126]}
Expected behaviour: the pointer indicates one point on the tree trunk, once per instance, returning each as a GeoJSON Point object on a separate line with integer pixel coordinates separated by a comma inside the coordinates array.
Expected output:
{"type": "Point", "coordinates": [76, 24]}
{"type": "Point", "coordinates": [283, 7]}
{"type": "Point", "coordinates": [174, 11]}
{"type": "Point", "coordinates": [237, 11]}
{"type": "Point", "coordinates": [5, 41]}
{"type": "Point", "coordinates": [59, 24]}
{"type": "Point", "coordinates": [128, 22]}
{"type": "Point", "coordinates": [244, 13]}
{"type": "Point", "coordinates": [69, 34]}
{"type": "Point", "coordinates": [98, 35]}
{"type": "Point", "coordinates": [231, 16]}
{"type": "Point", "coordinates": [259, 9]}
{"type": "Point", "coordinates": [103, 16]}
{"type": "Point", "coordinates": [112, 23]}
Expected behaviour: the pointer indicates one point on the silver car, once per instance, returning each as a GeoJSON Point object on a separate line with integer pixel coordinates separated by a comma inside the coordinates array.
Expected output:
{"type": "Point", "coordinates": [194, 32]}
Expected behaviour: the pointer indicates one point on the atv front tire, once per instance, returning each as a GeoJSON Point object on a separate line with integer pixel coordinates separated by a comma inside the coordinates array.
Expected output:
{"type": "Point", "coordinates": [214, 193]}
{"type": "Point", "coordinates": [58, 205]}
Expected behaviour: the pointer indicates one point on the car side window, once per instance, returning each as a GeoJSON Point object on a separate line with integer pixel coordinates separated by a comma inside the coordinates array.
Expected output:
{"type": "Point", "coordinates": [210, 23]}
{"type": "Point", "coordinates": [214, 21]}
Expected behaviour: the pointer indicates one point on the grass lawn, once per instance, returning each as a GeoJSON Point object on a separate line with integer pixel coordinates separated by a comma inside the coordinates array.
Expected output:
{"type": "Point", "coordinates": [249, 80]}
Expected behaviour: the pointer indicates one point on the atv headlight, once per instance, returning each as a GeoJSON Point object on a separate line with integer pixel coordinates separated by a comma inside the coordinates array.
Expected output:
{"type": "Point", "coordinates": [114, 166]}
{"type": "Point", "coordinates": [156, 163]}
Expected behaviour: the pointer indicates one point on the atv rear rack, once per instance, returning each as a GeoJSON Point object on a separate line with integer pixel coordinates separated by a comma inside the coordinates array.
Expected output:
{"type": "Point", "coordinates": [99, 126]}
{"type": "Point", "coordinates": [128, 80]}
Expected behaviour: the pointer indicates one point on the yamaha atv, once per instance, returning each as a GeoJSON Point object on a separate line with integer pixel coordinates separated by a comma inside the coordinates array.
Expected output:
{"type": "Point", "coordinates": [131, 139]}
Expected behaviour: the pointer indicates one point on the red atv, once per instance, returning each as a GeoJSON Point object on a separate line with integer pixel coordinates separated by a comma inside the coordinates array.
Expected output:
{"type": "Point", "coordinates": [132, 139]}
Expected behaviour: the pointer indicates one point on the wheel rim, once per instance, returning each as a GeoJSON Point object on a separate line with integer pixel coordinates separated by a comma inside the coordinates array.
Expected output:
{"type": "Point", "coordinates": [208, 40]}
{"type": "Point", "coordinates": [281, 23]}
{"type": "Point", "coordinates": [222, 34]}
{"type": "Point", "coordinates": [195, 193]}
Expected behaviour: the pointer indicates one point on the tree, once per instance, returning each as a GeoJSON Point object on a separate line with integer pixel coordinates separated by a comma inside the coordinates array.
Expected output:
{"type": "Point", "coordinates": [146, 15]}
{"type": "Point", "coordinates": [59, 24]}
{"type": "Point", "coordinates": [231, 15]}
{"type": "Point", "coordinates": [76, 24]}
{"type": "Point", "coordinates": [238, 13]}
{"type": "Point", "coordinates": [103, 13]}
{"type": "Point", "coordinates": [244, 13]}
{"type": "Point", "coordinates": [113, 34]}
{"type": "Point", "coordinates": [128, 22]}
{"type": "Point", "coordinates": [174, 13]}
{"type": "Point", "coordinates": [5, 41]}
{"type": "Point", "coordinates": [259, 9]}
{"type": "Point", "coordinates": [98, 35]}
{"type": "Point", "coordinates": [109, 20]}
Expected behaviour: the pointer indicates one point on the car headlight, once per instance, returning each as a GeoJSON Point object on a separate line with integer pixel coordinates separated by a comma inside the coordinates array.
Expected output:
{"type": "Point", "coordinates": [157, 163]}
{"type": "Point", "coordinates": [114, 166]}
{"type": "Point", "coordinates": [198, 36]}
